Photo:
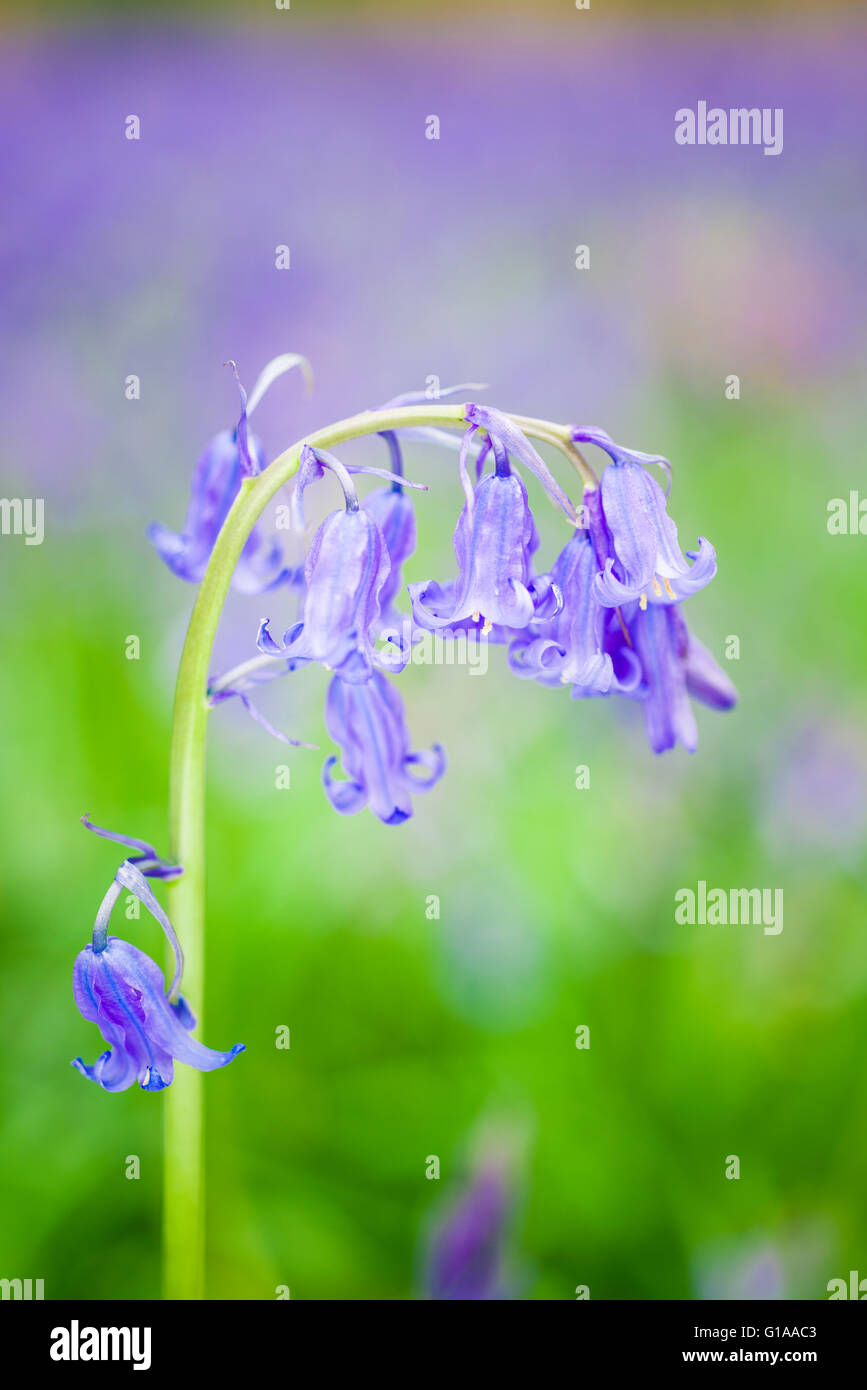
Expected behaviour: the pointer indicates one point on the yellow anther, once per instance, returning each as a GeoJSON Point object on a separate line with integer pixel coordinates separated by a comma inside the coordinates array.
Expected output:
{"type": "Point", "coordinates": [476, 616]}
{"type": "Point", "coordinates": [657, 587]}
{"type": "Point", "coordinates": [668, 589]}
{"type": "Point", "coordinates": [642, 602]}
{"type": "Point", "coordinates": [486, 629]}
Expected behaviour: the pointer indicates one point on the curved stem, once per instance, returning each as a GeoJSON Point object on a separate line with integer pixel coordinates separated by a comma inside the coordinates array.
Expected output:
{"type": "Point", "coordinates": [183, 1191]}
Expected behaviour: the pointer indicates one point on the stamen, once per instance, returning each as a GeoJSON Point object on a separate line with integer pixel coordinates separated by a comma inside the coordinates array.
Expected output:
{"type": "Point", "coordinates": [657, 587]}
{"type": "Point", "coordinates": [668, 589]}
{"type": "Point", "coordinates": [642, 602]}
{"type": "Point", "coordinates": [487, 627]}
{"type": "Point", "coordinates": [623, 628]}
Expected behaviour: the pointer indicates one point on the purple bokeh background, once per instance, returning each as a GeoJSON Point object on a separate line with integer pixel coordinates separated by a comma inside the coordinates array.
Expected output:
{"type": "Point", "coordinates": [409, 256]}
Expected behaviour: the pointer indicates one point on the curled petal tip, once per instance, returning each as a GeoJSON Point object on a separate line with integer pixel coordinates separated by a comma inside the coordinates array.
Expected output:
{"type": "Point", "coordinates": [276, 368]}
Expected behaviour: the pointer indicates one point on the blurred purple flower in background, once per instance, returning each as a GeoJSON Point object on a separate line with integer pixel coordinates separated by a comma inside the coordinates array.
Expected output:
{"type": "Point", "coordinates": [814, 785]}
{"type": "Point", "coordinates": [465, 1261]}
{"type": "Point", "coordinates": [761, 1265]}
{"type": "Point", "coordinates": [753, 1272]}
{"type": "Point", "coordinates": [466, 1249]}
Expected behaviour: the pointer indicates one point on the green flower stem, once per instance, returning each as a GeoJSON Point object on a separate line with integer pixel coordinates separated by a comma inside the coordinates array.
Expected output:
{"type": "Point", "coordinates": [183, 1191]}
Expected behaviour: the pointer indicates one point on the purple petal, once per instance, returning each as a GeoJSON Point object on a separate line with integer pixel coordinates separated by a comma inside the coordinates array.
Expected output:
{"type": "Point", "coordinates": [345, 572]}
{"type": "Point", "coordinates": [394, 514]}
{"type": "Point", "coordinates": [146, 850]}
{"type": "Point", "coordinates": [368, 724]}
{"type": "Point", "coordinates": [255, 713]}
{"type": "Point", "coordinates": [705, 680]}
{"type": "Point", "coordinates": [660, 640]}
{"type": "Point", "coordinates": [121, 990]}
{"type": "Point", "coordinates": [493, 548]}
{"type": "Point", "coordinates": [506, 432]}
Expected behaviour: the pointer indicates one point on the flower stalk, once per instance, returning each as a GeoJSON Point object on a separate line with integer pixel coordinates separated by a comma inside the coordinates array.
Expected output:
{"type": "Point", "coordinates": [184, 1192]}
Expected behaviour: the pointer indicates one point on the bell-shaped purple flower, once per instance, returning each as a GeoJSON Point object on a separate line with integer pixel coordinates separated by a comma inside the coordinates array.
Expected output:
{"type": "Point", "coordinates": [345, 573]}
{"type": "Point", "coordinates": [495, 537]}
{"type": "Point", "coordinates": [230, 456]}
{"type": "Point", "coordinates": [367, 721]}
{"type": "Point", "coordinates": [569, 648]}
{"type": "Point", "coordinates": [674, 666]}
{"type": "Point", "coordinates": [494, 541]}
{"type": "Point", "coordinates": [636, 540]}
{"type": "Point", "coordinates": [121, 990]}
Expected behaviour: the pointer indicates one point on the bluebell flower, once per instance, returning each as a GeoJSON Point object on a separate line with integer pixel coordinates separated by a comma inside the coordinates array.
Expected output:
{"type": "Point", "coordinates": [569, 648]}
{"type": "Point", "coordinates": [231, 456]}
{"type": "Point", "coordinates": [635, 538]}
{"type": "Point", "coordinates": [494, 541]}
{"type": "Point", "coordinates": [121, 990]}
{"type": "Point", "coordinates": [345, 572]}
{"type": "Point", "coordinates": [367, 721]}
{"type": "Point", "coordinates": [465, 1262]}
{"type": "Point", "coordinates": [495, 537]}
{"type": "Point", "coordinates": [493, 544]}
{"type": "Point", "coordinates": [674, 665]}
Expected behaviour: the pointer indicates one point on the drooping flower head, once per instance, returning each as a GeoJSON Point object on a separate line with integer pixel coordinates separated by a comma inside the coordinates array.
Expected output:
{"type": "Point", "coordinates": [121, 990]}
{"type": "Point", "coordinates": [635, 538]}
{"type": "Point", "coordinates": [366, 720]}
{"type": "Point", "coordinates": [231, 456]}
{"type": "Point", "coordinates": [495, 538]}
{"type": "Point", "coordinates": [345, 572]}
